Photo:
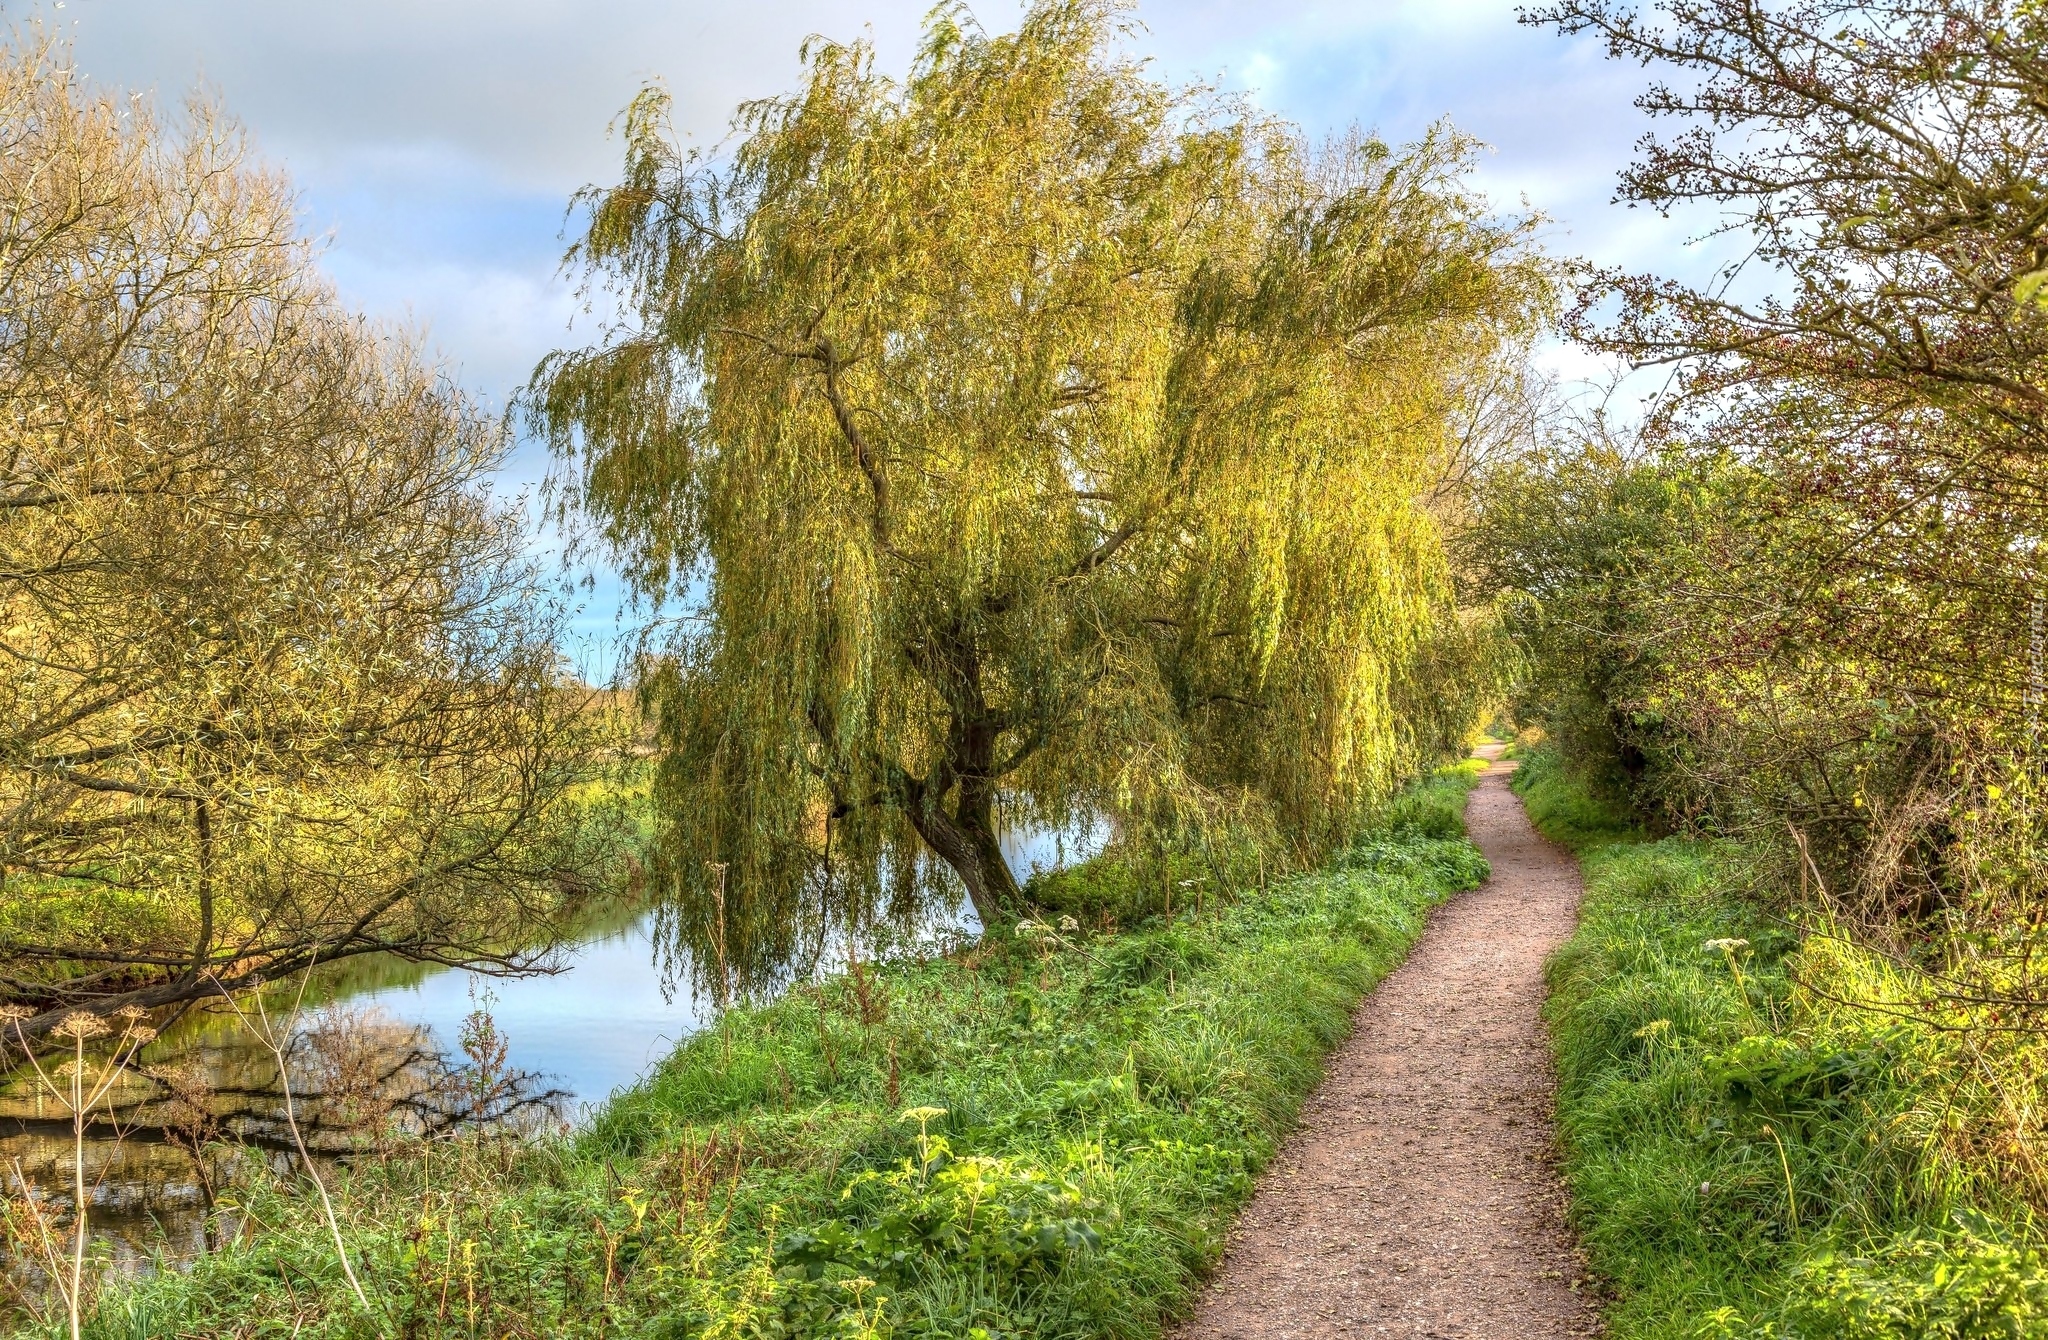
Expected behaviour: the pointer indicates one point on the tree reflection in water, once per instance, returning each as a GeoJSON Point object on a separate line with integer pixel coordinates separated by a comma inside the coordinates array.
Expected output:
{"type": "Point", "coordinates": [173, 1135]}
{"type": "Point", "coordinates": [401, 1050]}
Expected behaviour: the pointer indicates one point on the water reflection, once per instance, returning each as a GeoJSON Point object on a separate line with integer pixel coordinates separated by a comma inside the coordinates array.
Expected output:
{"type": "Point", "coordinates": [596, 1025]}
{"type": "Point", "coordinates": [388, 1048]}
{"type": "Point", "coordinates": [143, 1193]}
{"type": "Point", "coordinates": [205, 1106]}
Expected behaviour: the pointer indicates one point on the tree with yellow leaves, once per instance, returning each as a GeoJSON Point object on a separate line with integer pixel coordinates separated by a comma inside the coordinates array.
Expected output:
{"type": "Point", "coordinates": [277, 681]}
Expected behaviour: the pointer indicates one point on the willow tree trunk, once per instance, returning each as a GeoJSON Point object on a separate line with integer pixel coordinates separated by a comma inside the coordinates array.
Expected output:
{"type": "Point", "coordinates": [966, 840]}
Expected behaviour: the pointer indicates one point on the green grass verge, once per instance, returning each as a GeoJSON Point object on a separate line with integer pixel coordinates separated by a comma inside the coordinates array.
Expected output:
{"type": "Point", "coordinates": [1745, 1156]}
{"type": "Point", "coordinates": [1045, 1137]}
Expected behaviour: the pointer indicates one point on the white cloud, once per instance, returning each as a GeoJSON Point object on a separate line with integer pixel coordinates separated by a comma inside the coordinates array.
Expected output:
{"type": "Point", "coordinates": [526, 87]}
{"type": "Point", "coordinates": [440, 140]}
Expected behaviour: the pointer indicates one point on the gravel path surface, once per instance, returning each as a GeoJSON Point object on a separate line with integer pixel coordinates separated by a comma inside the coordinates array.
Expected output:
{"type": "Point", "coordinates": [1419, 1196]}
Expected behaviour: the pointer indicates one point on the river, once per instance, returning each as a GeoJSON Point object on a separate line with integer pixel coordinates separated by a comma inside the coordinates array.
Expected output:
{"type": "Point", "coordinates": [571, 1039]}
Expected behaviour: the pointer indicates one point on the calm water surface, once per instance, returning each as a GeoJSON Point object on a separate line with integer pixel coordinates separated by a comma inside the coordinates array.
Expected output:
{"type": "Point", "coordinates": [580, 1034]}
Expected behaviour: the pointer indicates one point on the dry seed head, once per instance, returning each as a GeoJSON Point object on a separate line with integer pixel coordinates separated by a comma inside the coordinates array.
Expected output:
{"type": "Point", "coordinates": [10, 1014]}
{"type": "Point", "coordinates": [131, 1013]}
{"type": "Point", "coordinates": [78, 1026]}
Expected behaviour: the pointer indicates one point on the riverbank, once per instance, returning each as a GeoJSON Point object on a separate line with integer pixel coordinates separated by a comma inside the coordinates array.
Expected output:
{"type": "Point", "coordinates": [1747, 1156]}
{"type": "Point", "coordinates": [1045, 1135]}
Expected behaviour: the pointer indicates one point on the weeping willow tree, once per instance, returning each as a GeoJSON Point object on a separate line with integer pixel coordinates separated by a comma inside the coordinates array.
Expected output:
{"type": "Point", "coordinates": [1027, 440]}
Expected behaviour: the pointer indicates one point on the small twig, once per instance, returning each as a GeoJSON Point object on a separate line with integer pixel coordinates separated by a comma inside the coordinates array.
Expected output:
{"type": "Point", "coordinates": [44, 1236]}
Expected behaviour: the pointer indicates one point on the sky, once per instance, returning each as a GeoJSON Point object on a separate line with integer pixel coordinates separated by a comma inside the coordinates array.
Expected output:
{"type": "Point", "coordinates": [436, 142]}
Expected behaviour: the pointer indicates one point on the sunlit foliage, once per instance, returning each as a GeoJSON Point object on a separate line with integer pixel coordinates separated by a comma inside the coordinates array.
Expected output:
{"type": "Point", "coordinates": [1029, 441]}
{"type": "Point", "coordinates": [275, 683]}
{"type": "Point", "coordinates": [1804, 606]}
{"type": "Point", "coordinates": [1757, 1146]}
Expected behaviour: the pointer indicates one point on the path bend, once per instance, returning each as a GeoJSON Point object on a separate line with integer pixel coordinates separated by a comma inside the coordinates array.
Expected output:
{"type": "Point", "coordinates": [1419, 1196]}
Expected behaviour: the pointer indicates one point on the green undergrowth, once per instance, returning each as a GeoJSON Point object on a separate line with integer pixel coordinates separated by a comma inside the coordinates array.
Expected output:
{"type": "Point", "coordinates": [1043, 1136]}
{"type": "Point", "coordinates": [1747, 1155]}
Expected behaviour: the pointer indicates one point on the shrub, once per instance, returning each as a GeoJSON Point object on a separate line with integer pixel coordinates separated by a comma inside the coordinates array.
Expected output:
{"type": "Point", "coordinates": [1746, 1156]}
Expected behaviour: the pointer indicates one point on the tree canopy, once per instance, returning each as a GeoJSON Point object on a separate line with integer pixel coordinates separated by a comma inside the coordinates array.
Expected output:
{"type": "Point", "coordinates": [1883, 347]}
{"type": "Point", "coordinates": [278, 683]}
{"type": "Point", "coordinates": [1029, 440]}
{"type": "Point", "coordinates": [1807, 609]}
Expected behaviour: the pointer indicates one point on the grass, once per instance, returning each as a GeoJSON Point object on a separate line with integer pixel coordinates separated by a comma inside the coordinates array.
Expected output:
{"type": "Point", "coordinates": [1564, 810]}
{"type": "Point", "coordinates": [1045, 1136]}
{"type": "Point", "coordinates": [1746, 1156]}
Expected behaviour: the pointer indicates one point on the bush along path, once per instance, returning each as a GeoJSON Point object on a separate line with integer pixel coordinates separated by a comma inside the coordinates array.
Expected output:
{"type": "Point", "coordinates": [1750, 1156]}
{"type": "Point", "coordinates": [1045, 1135]}
{"type": "Point", "coordinates": [1419, 1196]}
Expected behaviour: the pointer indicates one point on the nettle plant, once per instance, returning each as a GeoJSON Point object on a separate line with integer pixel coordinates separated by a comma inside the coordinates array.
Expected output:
{"type": "Point", "coordinates": [1003, 1214]}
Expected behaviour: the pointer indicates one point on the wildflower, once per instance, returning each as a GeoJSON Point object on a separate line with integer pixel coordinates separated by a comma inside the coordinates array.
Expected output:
{"type": "Point", "coordinates": [1069, 925]}
{"type": "Point", "coordinates": [1731, 949]}
{"type": "Point", "coordinates": [922, 1115]}
{"type": "Point", "coordinates": [78, 1026]}
{"type": "Point", "coordinates": [1653, 1028]}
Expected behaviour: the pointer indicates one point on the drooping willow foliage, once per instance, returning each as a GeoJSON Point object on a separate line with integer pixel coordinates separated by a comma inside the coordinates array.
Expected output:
{"type": "Point", "coordinates": [1029, 441]}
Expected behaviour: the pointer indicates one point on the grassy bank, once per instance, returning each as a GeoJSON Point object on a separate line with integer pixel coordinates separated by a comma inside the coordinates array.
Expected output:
{"type": "Point", "coordinates": [1747, 1154]}
{"type": "Point", "coordinates": [1044, 1136]}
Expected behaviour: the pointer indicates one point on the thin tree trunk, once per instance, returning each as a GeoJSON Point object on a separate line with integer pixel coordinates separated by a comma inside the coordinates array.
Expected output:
{"type": "Point", "coordinates": [202, 950]}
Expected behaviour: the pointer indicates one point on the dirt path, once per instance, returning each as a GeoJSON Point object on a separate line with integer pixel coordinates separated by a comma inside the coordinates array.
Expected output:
{"type": "Point", "coordinates": [1418, 1196]}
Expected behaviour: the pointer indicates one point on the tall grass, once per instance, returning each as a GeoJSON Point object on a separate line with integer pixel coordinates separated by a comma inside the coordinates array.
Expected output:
{"type": "Point", "coordinates": [1748, 1156]}
{"type": "Point", "coordinates": [1044, 1136]}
